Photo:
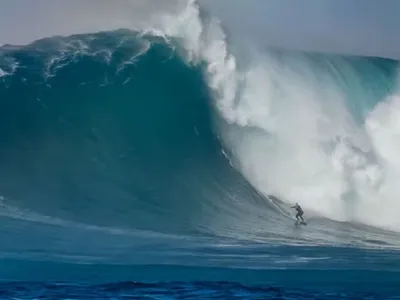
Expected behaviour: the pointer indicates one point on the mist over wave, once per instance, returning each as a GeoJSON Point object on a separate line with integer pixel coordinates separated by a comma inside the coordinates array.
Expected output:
{"type": "Point", "coordinates": [307, 130]}
{"type": "Point", "coordinates": [312, 119]}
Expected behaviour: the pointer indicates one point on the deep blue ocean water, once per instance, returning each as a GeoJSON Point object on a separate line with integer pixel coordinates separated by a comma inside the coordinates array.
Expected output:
{"type": "Point", "coordinates": [115, 183]}
{"type": "Point", "coordinates": [173, 290]}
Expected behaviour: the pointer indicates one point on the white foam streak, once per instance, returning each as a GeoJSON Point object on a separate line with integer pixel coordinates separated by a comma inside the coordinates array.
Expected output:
{"type": "Point", "coordinates": [204, 42]}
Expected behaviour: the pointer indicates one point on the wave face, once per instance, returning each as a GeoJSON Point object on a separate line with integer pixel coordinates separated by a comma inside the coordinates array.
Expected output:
{"type": "Point", "coordinates": [112, 129]}
{"type": "Point", "coordinates": [172, 146]}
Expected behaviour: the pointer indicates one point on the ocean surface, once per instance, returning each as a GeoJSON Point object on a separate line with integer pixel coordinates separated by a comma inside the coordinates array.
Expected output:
{"type": "Point", "coordinates": [151, 165]}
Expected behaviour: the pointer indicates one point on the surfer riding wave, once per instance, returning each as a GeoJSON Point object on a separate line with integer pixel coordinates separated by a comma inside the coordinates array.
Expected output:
{"type": "Point", "coordinates": [299, 212]}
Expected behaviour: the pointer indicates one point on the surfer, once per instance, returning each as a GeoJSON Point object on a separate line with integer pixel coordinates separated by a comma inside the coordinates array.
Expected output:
{"type": "Point", "coordinates": [299, 212]}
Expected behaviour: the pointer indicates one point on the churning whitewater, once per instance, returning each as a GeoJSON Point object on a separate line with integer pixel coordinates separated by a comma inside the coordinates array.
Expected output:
{"type": "Point", "coordinates": [170, 135]}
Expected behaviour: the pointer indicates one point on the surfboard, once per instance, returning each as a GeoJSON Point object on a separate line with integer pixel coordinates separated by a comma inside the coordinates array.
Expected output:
{"type": "Point", "coordinates": [300, 223]}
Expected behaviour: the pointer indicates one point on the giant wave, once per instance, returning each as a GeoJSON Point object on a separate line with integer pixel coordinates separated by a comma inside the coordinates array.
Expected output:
{"type": "Point", "coordinates": [173, 132]}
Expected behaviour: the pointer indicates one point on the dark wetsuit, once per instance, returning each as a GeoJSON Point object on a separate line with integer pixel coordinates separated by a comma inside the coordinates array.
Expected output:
{"type": "Point", "coordinates": [299, 212]}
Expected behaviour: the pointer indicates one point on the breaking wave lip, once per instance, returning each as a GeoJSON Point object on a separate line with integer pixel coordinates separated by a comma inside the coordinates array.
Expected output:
{"type": "Point", "coordinates": [263, 97]}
